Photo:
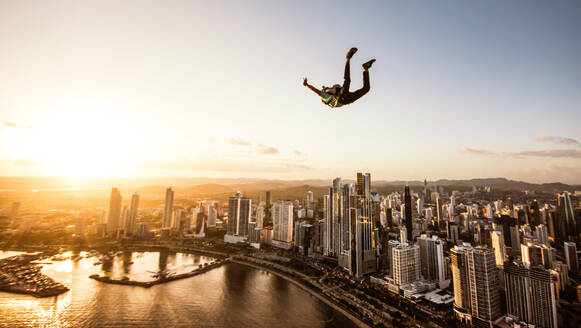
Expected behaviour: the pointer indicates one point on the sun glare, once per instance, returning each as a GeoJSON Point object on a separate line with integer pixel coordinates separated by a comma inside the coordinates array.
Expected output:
{"type": "Point", "coordinates": [83, 146]}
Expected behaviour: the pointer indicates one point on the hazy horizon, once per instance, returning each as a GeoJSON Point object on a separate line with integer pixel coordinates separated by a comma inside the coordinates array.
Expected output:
{"type": "Point", "coordinates": [196, 181]}
{"type": "Point", "coordinates": [184, 88]}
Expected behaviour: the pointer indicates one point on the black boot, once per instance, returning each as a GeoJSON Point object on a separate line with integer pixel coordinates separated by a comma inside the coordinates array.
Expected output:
{"type": "Point", "coordinates": [368, 64]}
{"type": "Point", "coordinates": [351, 52]}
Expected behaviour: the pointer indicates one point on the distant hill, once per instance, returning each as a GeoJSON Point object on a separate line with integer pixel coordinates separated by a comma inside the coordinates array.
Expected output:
{"type": "Point", "coordinates": [210, 186]}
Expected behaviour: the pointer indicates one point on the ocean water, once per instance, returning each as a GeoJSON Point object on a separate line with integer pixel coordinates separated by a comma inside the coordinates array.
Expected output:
{"type": "Point", "coordinates": [232, 295]}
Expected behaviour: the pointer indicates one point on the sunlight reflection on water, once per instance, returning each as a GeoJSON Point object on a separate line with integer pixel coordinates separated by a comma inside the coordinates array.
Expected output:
{"type": "Point", "coordinates": [229, 296]}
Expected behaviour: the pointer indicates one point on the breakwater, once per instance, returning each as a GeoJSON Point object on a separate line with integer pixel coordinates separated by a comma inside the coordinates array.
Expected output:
{"type": "Point", "coordinates": [161, 280]}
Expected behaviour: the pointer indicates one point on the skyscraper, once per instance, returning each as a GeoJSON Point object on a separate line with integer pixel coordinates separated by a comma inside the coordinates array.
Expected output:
{"type": "Point", "coordinates": [310, 199]}
{"type": "Point", "coordinates": [213, 215]}
{"type": "Point", "coordinates": [406, 264]}
{"type": "Point", "coordinates": [259, 217]}
{"type": "Point", "coordinates": [268, 211]}
{"type": "Point", "coordinates": [328, 219]}
{"type": "Point", "coordinates": [282, 219]}
{"type": "Point", "coordinates": [566, 217]}
{"type": "Point", "coordinates": [460, 279]}
{"type": "Point", "coordinates": [475, 279]}
{"type": "Point", "coordinates": [534, 214]}
{"type": "Point", "coordinates": [408, 213]}
{"type": "Point", "coordinates": [366, 257]}
{"type": "Point", "coordinates": [239, 213]}
{"type": "Point", "coordinates": [131, 223]}
{"type": "Point", "coordinates": [484, 297]}
{"type": "Point", "coordinates": [439, 215]}
{"type": "Point", "coordinates": [114, 211]}
{"type": "Point", "coordinates": [433, 266]}
{"type": "Point", "coordinates": [530, 295]}
{"type": "Point", "coordinates": [497, 239]}
{"type": "Point", "coordinates": [571, 256]}
{"type": "Point", "coordinates": [168, 209]}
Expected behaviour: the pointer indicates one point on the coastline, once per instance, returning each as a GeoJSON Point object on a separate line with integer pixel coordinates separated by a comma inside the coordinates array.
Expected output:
{"type": "Point", "coordinates": [311, 291]}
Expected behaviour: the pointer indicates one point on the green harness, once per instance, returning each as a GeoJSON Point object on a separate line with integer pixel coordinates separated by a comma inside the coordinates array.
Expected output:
{"type": "Point", "coordinates": [330, 100]}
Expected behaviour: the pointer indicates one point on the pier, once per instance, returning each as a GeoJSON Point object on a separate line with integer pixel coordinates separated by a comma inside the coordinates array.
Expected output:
{"type": "Point", "coordinates": [161, 280]}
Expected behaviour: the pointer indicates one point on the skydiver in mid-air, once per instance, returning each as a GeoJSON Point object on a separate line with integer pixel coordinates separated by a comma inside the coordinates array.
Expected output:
{"type": "Point", "coordinates": [337, 95]}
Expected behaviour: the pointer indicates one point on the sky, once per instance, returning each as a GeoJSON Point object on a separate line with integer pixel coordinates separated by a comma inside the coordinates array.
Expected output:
{"type": "Point", "coordinates": [460, 89]}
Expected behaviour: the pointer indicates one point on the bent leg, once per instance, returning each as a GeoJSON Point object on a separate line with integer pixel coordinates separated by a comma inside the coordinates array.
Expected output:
{"type": "Point", "coordinates": [347, 77]}
{"type": "Point", "coordinates": [361, 92]}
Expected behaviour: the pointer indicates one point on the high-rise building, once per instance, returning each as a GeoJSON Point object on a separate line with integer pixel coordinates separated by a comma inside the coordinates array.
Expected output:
{"type": "Point", "coordinates": [511, 233]}
{"type": "Point", "coordinates": [476, 297]}
{"type": "Point", "coordinates": [177, 219]}
{"type": "Point", "coordinates": [460, 279]}
{"type": "Point", "coordinates": [483, 277]}
{"type": "Point", "coordinates": [347, 202]}
{"type": "Point", "coordinates": [406, 263]}
{"type": "Point", "coordinates": [408, 213]}
{"type": "Point", "coordinates": [433, 266]}
{"type": "Point", "coordinates": [366, 257]}
{"type": "Point", "coordinates": [259, 216]}
{"type": "Point", "coordinates": [328, 219]}
{"type": "Point", "coordinates": [363, 184]}
{"type": "Point", "coordinates": [303, 237]}
{"type": "Point", "coordinates": [566, 217]}
{"type": "Point", "coordinates": [114, 212]}
{"type": "Point", "coordinates": [542, 234]}
{"type": "Point", "coordinates": [310, 199]}
{"type": "Point", "coordinates": [268, 211]}
{"type": "Point", "coordinates": [239, 213]}
{"type": "Point", "coordinates": [534, 214]}
{"type": "Point", "coordinates": [452, 207]}
{"type": "Point", "coordinates": [213, 216]}
{"type": "Point", "coordinates": [131, 224]}
{"type": "Point", "coordinates": [420, 207]}
{"type": "Point", "coordinates": [497, 239]}
{"type": "Point", "coordinates": [282, 219]}
{"type": "Point", "coordinates": [168, 209]}
{"type": "Point", "coordinates": [531, 295]}
{"type": "Point", "coordinates": [535, 254]}
{"type": "Point", "coordinates": [571, 256]}
{"type": "Point", "coordinates": [439, 214]}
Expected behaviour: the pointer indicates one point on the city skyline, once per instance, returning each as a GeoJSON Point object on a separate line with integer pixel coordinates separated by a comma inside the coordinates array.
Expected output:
{"type": "Point", "coordinates": [140, 89]}
{"type": "Point", "coordinates": [368, 249]}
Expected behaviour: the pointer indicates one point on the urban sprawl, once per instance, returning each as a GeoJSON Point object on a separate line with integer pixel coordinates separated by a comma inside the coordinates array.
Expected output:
{"type": "Point", "coordinates": [421, 254]}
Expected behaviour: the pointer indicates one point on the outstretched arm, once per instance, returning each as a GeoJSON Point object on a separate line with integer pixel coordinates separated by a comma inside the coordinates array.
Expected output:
{"type": "Point", "coordinates": [315, 90]}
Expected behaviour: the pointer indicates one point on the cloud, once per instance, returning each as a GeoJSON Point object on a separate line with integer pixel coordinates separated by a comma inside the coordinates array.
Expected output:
{"type": "Point", "coordinates": [556, 153]}
{"type": "Point", "coordinates": [559, 140]}
{"type": "Point", "coordinates": [476, 151]}
{"type": "Point", "coordinates": [264, 150]}
{"type": "Point", "coordinates": [17, 126]}
{"type": "Point", "coordinates": [257, 149]}
{"type": "Point", "coordinates": [237, 142]}
{"type": "Point", "coordinates": [298, 153]}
